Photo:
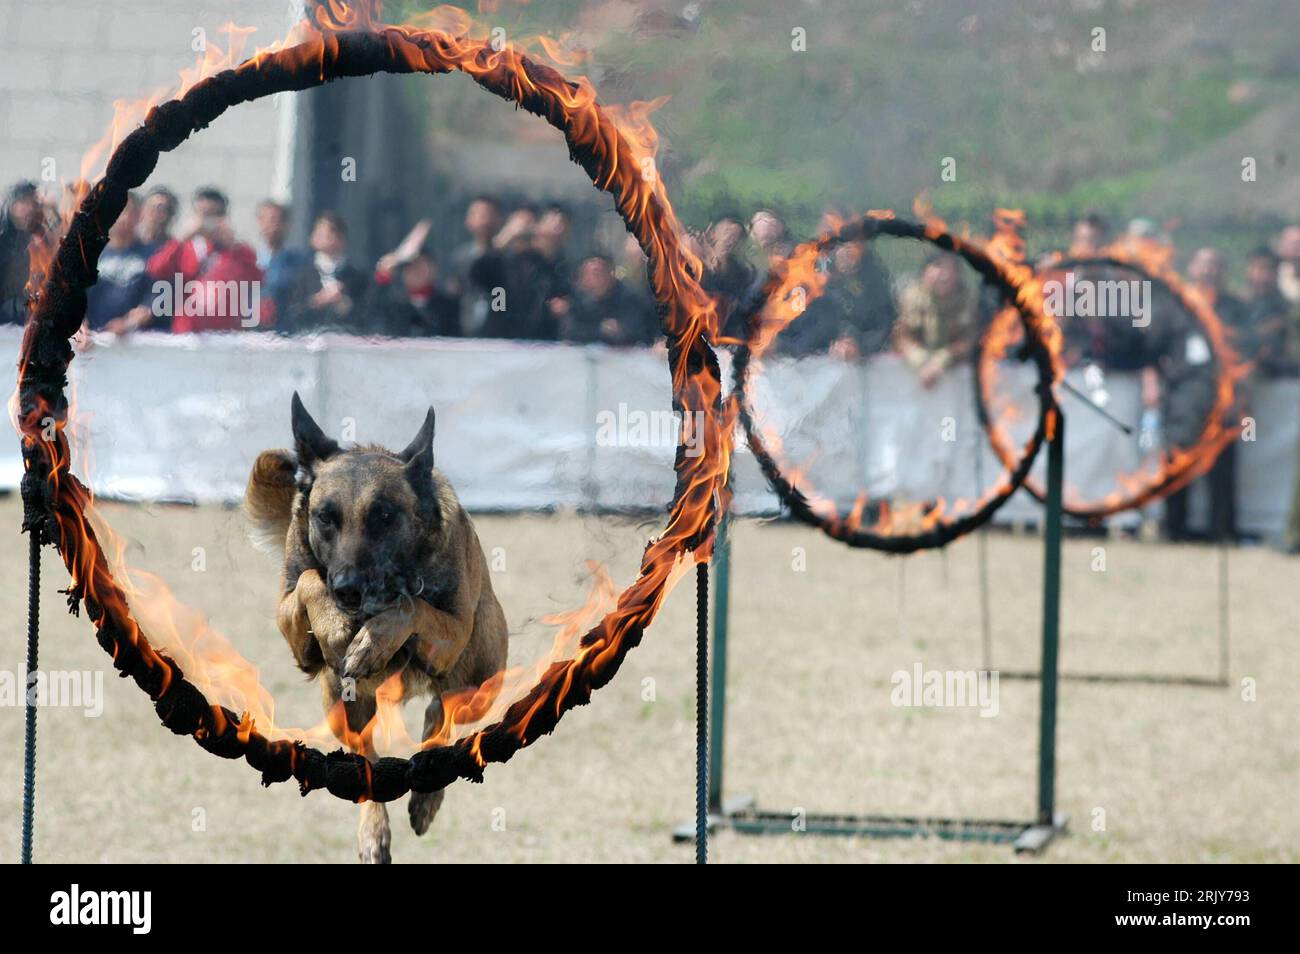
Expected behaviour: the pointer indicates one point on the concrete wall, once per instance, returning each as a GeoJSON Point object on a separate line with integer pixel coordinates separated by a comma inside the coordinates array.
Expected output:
{"type": "Point", "coordinates": [64, 62]}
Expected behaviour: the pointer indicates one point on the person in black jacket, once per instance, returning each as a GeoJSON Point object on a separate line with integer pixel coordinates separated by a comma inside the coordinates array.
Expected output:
{"type": "Point", "coordinates": [1190, 382]}
{"type": "Point", "coordinates": [410, 302]}
{"type": "Point", "coordinates": [727, 276]}
{"type": "Point", "coordinates": [603, 310]}
{"type": "Point", "coordinates": [19, 218]}
{"type": "Point", "coordinates": [1264, 338]}
{"type": "Point", "coordinates": [854, 317]}
{"type": "Point", "coordinates": [528, 276]}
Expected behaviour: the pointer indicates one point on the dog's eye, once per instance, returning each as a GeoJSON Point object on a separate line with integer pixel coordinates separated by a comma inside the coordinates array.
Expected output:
{"type": "Point", "coordinates": [381, 519]}
{"type": "Point", "coordinates": [327, 517]}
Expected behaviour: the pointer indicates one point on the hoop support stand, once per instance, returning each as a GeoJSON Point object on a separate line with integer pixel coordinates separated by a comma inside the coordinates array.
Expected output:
{"type": "Point", "coordinates": [740, 813]}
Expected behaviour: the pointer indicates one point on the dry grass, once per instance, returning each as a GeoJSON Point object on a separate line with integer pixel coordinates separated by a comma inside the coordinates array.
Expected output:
{"type": "Point", "coordinates": [1182, 774]}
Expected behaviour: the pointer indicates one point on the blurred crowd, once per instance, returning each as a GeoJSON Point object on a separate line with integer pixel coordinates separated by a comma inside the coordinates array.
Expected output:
{"type": "Point", "coordinates": [512, 274]}
{"type": "Point", "coordinates": [512, 277]}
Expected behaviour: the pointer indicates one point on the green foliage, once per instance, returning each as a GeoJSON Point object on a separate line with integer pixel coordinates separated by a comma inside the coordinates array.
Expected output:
{"type": "Point", "coordinates": [1013, 92]}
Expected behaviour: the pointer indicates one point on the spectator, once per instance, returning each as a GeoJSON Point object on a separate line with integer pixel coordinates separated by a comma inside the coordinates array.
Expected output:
{"type": "Point", "coordinates": [1110, 342]}
{"type": "Point", "coordinates": [530, 269]}
{"type": "Point", "coordinates": [482, 221]}
{"type": "Point", "coordinates": [1263, 338]}
{"type": "Point", "coordinates": [1207, 275]}
{"type": "Point", "coordinates": [329, 286]}
{"type": "Point", "coordinates": [1265, 334]}
{"type": "Point", "coordinates": [407, 300]}
{"type": "Point", "coordinates": [156, 217]}
{"type": "Point", "coordinates": [228, 281]}
{"type": "Point", "coordinates": [727, 276]}
{"type": "Point", "coordinates": [1090, 235]}
{"type": "Point", "coordinates": [488, 273]}
{"type": "Point", "coordinates": [632, 268]}
{"type": "Point", "coordinates": [517, 232]}
{"type": "Point", "coordinates": [551, 237]}
{"type": "Point", "coordinates": [602, 310]}
{"type": "Point", "coordinates": [119, 299]}
{"type": "Point", "coordinates": [281, 264]}
{"type": "Point", "coordinates": [20, 217]}
{"type": "Point", "coordinates": [1188, 402]}
{"type": "Point", "coordinates": [938, 318]}
{"type": "Point", "coordinates": [1288, 281]}
{"type": "Point", "coordinates": [1288, 276]}
{"type": "Point", "coordinates": [768, 234]}
{"type": "Point", "coordinates": [854, 316]}
{"type": "Point", "coordinates": [1148, 230]}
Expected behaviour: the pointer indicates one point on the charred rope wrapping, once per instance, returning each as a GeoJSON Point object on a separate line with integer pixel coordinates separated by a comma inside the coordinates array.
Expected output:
{"type": "Point", "coordinates": [943, 531]}
{"type": "Point", "coordinates": [1188, 466]}
{"type": "Point", "coordinates": [58, 310]}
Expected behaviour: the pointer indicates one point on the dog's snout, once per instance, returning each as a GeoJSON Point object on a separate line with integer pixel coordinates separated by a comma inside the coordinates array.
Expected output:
{"type": "Point", "coordinates": [346, 586]}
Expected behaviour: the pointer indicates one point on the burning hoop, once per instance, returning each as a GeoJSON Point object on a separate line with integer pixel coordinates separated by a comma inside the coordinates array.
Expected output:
{"type": "Point", "coordinates": [1177, 466]}
{"type": "Point", "coordinates": [56, 501]}
{"type": "Point", "coordinates": [792, 282]}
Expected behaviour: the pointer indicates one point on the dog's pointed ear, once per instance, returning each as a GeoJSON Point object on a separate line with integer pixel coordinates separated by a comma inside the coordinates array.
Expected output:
{"type": "Point", "coordinates": [309, 440]}
{"type": "Point", "coordinates": [423, 443]}
{"type": "Point", "coordinates": [418, 458]}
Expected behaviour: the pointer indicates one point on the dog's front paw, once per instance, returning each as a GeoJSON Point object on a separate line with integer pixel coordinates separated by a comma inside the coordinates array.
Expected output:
{"type": "Point", "coordinates": [363, 657]}
{"type": "Point", "coordinates": [375, 643]}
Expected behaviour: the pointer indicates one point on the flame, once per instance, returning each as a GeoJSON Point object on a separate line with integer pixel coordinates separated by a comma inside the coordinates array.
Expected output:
{"type": "Point", "coordinates": [620, 144]}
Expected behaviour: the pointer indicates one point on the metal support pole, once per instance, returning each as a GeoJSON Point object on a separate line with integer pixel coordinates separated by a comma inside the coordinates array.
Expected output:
{"type": "Point", "coordinates": [1051, 625]}
{"type": "Point", "coordinates": [701, 713]}
{"type": "Point", "coordinates": [718, 673]}
{"type": "Point", "coordinates": [1224, 609]}
{"type": "Point", "coordinates": [29, 725]}
{"type": "Point", "coordinates": [1048, 823]}
{"type": "Point", "coordinates": [719, 813]}
{"type": "Point", "coordinates": [982, 550]}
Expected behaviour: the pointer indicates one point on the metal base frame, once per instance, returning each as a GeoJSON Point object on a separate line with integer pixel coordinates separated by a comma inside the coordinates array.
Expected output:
{"type": "Point", "coordinates": [740, 814]}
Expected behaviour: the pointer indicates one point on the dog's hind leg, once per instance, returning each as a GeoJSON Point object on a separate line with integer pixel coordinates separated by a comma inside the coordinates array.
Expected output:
{"type": "Point", "coordinates": [373, 835]}
{"type": "Point", "coordinates": [424, 805]}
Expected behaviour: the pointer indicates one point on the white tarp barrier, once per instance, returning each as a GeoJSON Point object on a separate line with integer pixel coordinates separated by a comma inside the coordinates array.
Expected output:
{"type": "Point", "coordinates": [630, 427]}
{"type": "Point", "coordinates": [530, 426]}
{"type": "Point", "coordinates": [1266, 466]}
{"type": "Point", "coordinates": [512, 419]}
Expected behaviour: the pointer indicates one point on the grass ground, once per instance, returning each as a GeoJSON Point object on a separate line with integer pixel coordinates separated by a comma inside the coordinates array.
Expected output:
{"type": "Point", "coordinates": [1146, 773]}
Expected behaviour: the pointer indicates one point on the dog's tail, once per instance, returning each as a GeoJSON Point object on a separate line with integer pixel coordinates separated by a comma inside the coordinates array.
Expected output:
{"type": "Point", "coordinates": [268, 499]}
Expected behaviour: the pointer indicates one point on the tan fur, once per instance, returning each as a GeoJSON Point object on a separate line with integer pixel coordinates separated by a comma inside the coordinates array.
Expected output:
{"type": "Point", "coordinates": [457, 647]}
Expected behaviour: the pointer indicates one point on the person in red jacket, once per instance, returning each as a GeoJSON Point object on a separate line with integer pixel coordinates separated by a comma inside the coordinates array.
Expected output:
{"type": "Point", "coordinates": [206, 280]}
